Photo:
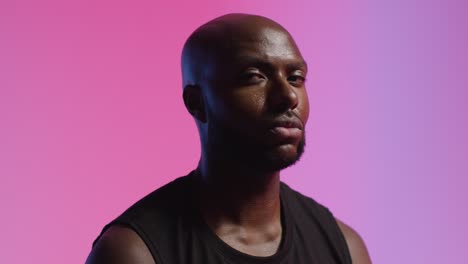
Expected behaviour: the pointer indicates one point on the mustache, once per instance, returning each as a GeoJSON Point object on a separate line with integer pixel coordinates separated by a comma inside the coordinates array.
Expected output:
{"type": "Point", "coordinates": [288, 120]}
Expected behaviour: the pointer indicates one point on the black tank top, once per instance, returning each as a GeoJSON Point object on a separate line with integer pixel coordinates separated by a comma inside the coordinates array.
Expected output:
{"type": "Point", "coordinates": [174, 232]}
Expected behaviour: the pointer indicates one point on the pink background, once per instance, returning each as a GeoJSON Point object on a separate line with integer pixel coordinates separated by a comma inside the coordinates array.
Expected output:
{"type": "Point", "coordinates": [91, 118]}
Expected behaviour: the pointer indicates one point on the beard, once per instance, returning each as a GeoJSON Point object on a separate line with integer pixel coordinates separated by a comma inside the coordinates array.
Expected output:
{"type": "Point", "coordinates": [226, 143]}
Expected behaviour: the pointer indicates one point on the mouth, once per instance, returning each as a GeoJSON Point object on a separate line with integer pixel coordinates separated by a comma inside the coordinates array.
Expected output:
{"type": "Point", "coordinates": [293, 123]}
{"type": "Point", "coordinates": [286, 130]}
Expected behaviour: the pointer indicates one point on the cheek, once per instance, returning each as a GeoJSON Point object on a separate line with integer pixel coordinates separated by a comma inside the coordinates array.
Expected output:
{"type": "Point", "coordinates": [242, 107]}
{"type": "Point", "coordinates": [254, 102]}
{"type": "Point", "coordinates": [246, 104]}
{"type": "Point", "coordinates": [303, 106]}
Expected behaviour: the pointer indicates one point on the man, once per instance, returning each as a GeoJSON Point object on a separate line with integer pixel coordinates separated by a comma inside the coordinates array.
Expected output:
{"type": "Point", "coordinates": [244, 84]}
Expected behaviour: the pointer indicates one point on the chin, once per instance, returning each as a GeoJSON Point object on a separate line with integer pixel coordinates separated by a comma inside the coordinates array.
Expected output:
{"type": "Point", "coordinates": [224, 143]}
{"type": "Point", "coordinates": [283, 156]}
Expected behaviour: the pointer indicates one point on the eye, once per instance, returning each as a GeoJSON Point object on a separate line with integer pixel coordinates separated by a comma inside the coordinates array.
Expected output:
{"type": "Point", "coordinates": [252, 77]}
{"type": "Point", "coordinates": [296, 79]}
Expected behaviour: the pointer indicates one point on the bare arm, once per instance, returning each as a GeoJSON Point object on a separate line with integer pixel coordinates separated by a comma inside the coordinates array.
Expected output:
{"type": "Point", "coordinates": [120, 245]}
{"type": "Point", "coordinates": [357, 248]}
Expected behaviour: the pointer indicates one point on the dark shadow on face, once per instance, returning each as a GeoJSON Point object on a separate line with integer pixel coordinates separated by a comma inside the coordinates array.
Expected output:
{"type": "Point", "coordinates": [226, 143]}
{"type": "Point", "coordinates": [251, 77]}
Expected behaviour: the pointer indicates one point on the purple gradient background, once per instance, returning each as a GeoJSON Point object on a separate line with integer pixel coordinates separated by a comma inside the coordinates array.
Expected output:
{"type": "Point", "coordinates": [91, 118]}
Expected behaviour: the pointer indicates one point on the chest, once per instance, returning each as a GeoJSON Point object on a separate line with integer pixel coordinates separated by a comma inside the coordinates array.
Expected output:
{"type": "Point", "coordinates": [202, 248]}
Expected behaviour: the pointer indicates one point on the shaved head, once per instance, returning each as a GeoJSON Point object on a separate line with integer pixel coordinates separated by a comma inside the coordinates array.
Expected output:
{"type": "Point", "coordinates": [213, 42]}
{"type": "Point", "coordinates": [244, 84]}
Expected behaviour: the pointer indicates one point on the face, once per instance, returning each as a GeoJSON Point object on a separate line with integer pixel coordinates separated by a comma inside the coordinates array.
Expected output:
{"type": "Point", "coordinates": [256, 100]}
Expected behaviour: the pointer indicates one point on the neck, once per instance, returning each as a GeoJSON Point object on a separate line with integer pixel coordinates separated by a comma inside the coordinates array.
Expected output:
{"type": "Point", "coordinates": [238, 196]}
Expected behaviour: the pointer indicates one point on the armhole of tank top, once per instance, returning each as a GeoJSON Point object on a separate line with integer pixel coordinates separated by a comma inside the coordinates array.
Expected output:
{"type": "Point", "coordinates": [341, 236]}
{"type": "Point", "coordinates": [139, 231]}
{"type": "Point", "coordinates": [341, 239]}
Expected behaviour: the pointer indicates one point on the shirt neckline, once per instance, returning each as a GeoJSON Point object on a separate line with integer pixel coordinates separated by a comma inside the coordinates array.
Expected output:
{"type": "Point", "coordinates": [236, 256]}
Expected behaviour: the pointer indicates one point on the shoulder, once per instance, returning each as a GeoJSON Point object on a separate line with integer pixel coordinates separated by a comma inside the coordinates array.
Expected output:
{"type": "Point", "coordinates": [120, 245]}
{"type": "Point", "coordinates": [119, 242]}
{"type": "Point", "coordinates": [354, 242]}
{"type": "Point", "coordinates": [356, 245]}
{"type": "Point", "coordinates": [160, 207]}
{"type": "Point", "coordinates": [302, 205]}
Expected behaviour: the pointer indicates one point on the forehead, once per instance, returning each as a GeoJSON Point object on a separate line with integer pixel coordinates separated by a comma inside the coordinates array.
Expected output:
{"type": "Point", "coordinates": [269, 44]}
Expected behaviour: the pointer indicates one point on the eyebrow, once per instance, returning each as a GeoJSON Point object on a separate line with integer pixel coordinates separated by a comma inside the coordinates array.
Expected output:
{"type": "Point", "coordinates": [246, 61]}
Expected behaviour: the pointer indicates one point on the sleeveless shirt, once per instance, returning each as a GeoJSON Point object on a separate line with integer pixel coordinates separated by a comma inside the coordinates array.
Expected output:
{"type": "Point", "coordinates": [174, 232]}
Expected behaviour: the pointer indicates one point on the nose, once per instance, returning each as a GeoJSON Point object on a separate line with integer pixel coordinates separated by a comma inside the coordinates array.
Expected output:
{"type": "Point", "coordinates": [282, 95]}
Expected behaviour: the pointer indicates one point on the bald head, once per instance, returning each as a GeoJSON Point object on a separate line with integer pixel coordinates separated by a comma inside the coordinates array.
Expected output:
{"type": "Point", "coordinates": [244, 84]}
{"type": "Point", "coordinates": [214, 43]}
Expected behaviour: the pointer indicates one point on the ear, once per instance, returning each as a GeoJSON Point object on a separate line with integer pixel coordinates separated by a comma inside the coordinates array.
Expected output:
{"type": "Point", "coordinates": [194, 103]}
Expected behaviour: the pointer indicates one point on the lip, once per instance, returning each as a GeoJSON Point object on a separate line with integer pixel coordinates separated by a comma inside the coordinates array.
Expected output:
{"type": "Point", "coordinates": [286, 130]}
{"type": "Point", "coordinates": [288, 123]}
